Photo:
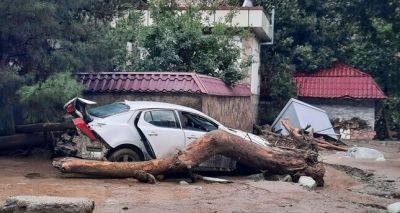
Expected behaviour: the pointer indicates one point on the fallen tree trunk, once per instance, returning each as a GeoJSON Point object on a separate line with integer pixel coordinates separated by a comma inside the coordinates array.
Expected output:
{"type": "Point", "coordinates": [273, 159]}
{"type": "Point", "coordinates": [21, 140]}
{"type": "Point", "coordinates": [44, 127]}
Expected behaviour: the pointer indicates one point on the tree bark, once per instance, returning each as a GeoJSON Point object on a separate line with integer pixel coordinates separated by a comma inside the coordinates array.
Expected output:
{"type": "Point", "coordinates": [44, 127]}
{"type": "Point", "coordinates": [273, 159]}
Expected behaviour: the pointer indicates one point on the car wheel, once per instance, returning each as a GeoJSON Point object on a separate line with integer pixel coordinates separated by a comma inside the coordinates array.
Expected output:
{"type": "Point", "coordinates": [124, 155]}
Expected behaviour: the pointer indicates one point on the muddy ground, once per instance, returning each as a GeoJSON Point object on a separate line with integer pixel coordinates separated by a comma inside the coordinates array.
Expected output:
{"type": "Point", "coordinates": [351, 186]}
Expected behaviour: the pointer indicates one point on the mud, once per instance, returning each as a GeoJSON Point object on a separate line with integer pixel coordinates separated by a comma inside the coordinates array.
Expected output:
{"type": "Point", "coordinates": [342, 192]}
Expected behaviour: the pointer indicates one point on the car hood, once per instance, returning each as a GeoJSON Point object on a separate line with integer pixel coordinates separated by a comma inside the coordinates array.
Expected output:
{"type": "Point", "coordinates": [248, 136]}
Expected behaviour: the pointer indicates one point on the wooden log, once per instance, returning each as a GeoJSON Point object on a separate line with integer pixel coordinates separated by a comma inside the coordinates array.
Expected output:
{"type": "Point", "coordinates": [44, 127]}
{"type": "Point", "coordinates": [274, 159]}
{"type": "Point", "coordinates": [21, 141]}
{"type": "Point", "coordinates": [309, 138]}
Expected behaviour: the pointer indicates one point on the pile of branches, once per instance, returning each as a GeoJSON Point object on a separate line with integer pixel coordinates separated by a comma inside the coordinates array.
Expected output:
{"type": "Point", "coordinates": [299, 139]}
{"type": "Point", "coordinates": [300, 159]}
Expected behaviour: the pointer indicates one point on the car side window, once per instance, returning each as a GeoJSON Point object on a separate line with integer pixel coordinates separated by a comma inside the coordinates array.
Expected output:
{"type": "Point", "coordinates": [161, 118]}
{"type": "Point", "coordinates": [192, 121]}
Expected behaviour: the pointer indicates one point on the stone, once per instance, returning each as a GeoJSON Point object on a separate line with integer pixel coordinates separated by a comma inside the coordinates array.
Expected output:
{"type": "Point", "coordinates": [286, 178]}
{"type": "Point", "coordinates": [283, 178]}
{"type": "Point", "coordinates": [182, 182]}
{"type": "Point", "coordinates": [256, 177]}
{"type": "Point", "coordinates": [47, 204]}
{"type": "Point", "coordinates": [307, 182]}
{"type": "Point", "coordinates": [394, 207]}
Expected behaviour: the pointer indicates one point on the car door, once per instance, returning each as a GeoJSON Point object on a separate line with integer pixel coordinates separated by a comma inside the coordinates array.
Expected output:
{"type": "Point", "coordinates": [162, 130]}
{"type": "Point", "coordinates": [195, 126]}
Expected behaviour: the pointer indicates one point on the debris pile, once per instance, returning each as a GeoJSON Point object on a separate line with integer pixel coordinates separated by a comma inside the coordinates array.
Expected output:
{"type": "Point", "coordinates": [295, 155]}
{"type": "Point", "coordinates": [298, 139]}
{"type": "Point", "coordinates": [354, 128]}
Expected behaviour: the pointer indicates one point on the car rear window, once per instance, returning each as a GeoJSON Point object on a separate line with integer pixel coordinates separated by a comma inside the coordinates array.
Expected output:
{"type": "Point", "coordinates": [108, 110]}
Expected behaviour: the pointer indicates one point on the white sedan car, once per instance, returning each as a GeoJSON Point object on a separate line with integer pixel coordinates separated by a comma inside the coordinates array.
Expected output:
{"type": "Point", "coordinates": [141, 130]}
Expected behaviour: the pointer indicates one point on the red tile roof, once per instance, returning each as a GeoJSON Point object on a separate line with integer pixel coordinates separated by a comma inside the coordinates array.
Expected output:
{"type": "Point", "coordinates": [339, 81]}
{"type": "Point", "coordinates": [165, 82]}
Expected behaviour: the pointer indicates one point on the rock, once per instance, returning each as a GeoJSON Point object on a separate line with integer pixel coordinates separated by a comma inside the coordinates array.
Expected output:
{"type": "Point", "coordinates": [283, 178]}
{"type": "Point", "coordinates": [394, 207]}
{"type": "Point", "coordinates": [256, 177]}
{"type": "Point", "coordinates": [216, 180]}
{"type": "Point", "coordinates": [182, 182]}
{"type": "Point", "coordinates": [47, 204]}
{"type": "Point", "coordinates": [286, 178]}
{"type": "Point", "coordinates": [307, 182]}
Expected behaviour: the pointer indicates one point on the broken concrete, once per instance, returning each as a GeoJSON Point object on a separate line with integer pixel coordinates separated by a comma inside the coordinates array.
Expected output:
{"type": "Point", "coordinates": [47, 204]}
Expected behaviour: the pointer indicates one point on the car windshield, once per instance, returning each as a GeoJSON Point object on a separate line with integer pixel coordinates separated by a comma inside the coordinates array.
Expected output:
{"type": "Point", "coordinates": [108, 110]}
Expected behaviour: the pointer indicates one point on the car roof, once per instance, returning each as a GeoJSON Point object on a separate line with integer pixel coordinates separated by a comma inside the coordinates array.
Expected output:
{"type": "Point", "coordinates": [135, 105]}
{"type": "Point", "coordinates": [139, 105]}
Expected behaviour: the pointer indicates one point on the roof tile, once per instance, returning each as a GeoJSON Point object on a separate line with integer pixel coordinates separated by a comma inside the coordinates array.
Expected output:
{"type": "Point", "coordinates": [167, 82]}
{"type": "Point", "coordinates": [337, 82]}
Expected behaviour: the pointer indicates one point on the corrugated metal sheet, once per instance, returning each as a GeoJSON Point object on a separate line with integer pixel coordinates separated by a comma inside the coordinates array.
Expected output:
{"type": "Point", "coordinates": [339, 81]}
{"type": "Point", "coordinates": [300, 115]}
{"type": "Point", "coordinates": [168, 82]}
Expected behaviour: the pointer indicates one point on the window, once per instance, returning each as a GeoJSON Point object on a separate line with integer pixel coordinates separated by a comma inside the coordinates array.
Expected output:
{"type": "Point", "coordinates": [161, 118]}
{"type": "Point", "coordinates": [196, 122]}
{"type": "Point", "coordinates": [108, 110]}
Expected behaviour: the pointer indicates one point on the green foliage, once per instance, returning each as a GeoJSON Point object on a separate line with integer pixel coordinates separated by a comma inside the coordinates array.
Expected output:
{"type": "Point", "coordinates": [9, 83]}
{"type": "Point", "coordinates": [43, 37]}
{"type": "Point", "coordinates": [311, 34]}
{"type": "Point", "coordinates": [176, 42]}
{"type": "Point", "coordinates": [44, 100]}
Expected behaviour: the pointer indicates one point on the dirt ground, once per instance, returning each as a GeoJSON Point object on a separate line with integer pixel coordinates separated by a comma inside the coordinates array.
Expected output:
{"type": "Point", "coordinates": [370, 188]}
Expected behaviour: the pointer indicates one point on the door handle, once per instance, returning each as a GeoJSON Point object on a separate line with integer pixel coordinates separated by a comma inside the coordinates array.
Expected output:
{"type": "Point", "coordinates": [153, 134]}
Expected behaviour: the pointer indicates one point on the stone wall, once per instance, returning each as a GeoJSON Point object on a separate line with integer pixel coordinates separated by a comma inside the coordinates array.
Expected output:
{"type": "Point", "coordinates": [345, 109]}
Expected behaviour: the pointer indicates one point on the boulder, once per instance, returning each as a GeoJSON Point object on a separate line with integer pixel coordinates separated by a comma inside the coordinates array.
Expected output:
{"type": "Point", "coordinates": [256, 177]}
{"type": "Point", "coordinates": [307, 182]}
{"type": "Point", "coordinates": [47, 204]}
{"type": "Point", "coordinates": [394, 207]}
{"type": "Point", "coordinates": [182, 182]}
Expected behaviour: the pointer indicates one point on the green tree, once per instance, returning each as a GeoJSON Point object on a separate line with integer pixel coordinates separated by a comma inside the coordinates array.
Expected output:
{"type": "Point", "coordinates": [177, 42]}
{"type": "Point", "coordinates": [310, 34]}
{"type": "Point", "coordinates": [45, 99]}
{"type": "Point", "coordinates": [43, 37]}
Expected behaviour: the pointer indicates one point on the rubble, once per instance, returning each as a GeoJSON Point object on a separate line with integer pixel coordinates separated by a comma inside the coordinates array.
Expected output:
{"type": "Point", "coordinates": [47, 204]}
{"type": "Point", "coordinates": [307, 182]}
{"type": "Point", "coordinates": [354, 129]}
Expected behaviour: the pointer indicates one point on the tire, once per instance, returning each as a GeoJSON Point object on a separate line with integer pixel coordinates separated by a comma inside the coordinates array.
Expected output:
{"type": "Point", "coordinates": [124, 155]}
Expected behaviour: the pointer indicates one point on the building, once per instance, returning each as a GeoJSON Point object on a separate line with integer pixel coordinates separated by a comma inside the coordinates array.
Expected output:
{"type": "Point", "coordinates": [231, 106]}
{"type": "Point", "coordinates": [252, 18]}
{"type": "Point", "coordinates": [346, 94]}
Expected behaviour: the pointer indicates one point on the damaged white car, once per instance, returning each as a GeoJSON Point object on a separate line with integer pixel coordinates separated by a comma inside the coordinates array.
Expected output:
{"type": "Point", "coordinates": [139, 130]}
